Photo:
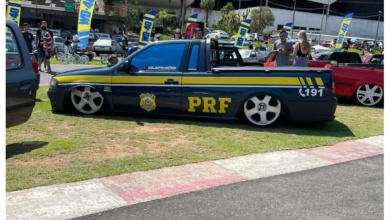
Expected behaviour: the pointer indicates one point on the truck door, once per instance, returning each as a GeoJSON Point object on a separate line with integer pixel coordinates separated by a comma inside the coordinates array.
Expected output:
{"type": "Point", "coordinates": [153, 82]}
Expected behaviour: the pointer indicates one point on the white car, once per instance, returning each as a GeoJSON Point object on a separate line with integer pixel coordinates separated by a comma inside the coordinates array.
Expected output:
{"type": "Point", "coordinates": [218, 34]}
{"type": "Point", "coordinates": [107, 46]}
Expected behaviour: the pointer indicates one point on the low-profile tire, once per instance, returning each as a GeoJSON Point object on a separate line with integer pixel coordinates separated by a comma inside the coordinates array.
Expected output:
{"type": "Point", "coordinates": [369, 94]}
{"type": "Point", "coordinates": [262, 110]}
{"type": "Point", "coordinates": [86, 99]}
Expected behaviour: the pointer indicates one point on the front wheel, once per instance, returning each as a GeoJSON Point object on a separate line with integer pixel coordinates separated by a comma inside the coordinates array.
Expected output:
{"type": "Point", "coordinates": [369, 95]}
{"type": "Point", "coordinates": [262, 110]}
{"type": "Point", "coordinates": [86, 99]}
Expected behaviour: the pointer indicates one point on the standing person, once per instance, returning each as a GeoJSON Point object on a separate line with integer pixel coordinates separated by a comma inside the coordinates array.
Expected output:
{"type": "Point", "coordinates": [177, 34]}
{"type": "Point", "coordinates": [302, 50]}
{"type": "Point", "coordinates": [39, 46]}
{"type": "Point", "coordinates": [75, 42]}
{"type": "Point", "coordinates": [46, 47]}
{"type": "Point", "coordinates": [198, 33]}
{"type": "Point", "coordinates": [28, 37]}
{"type": "Point", "coordinates": [125, 44]}
{"type": "Point", "coordinates": [283, 49]}
{"type": "Point", "coordinates": [67, 43]}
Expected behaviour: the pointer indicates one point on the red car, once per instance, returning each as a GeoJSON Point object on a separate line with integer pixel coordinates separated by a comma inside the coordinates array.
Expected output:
{"type": "Point", "coordinates": [324, 44]}
{"type": "Point", "coordinates": [362, 82]}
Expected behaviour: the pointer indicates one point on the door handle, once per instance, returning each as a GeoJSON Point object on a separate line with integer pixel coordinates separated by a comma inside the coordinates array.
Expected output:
{"type": "Point", "coordinates": [25, 85]}
{"type": "Point", "coordinates": [171, 81]}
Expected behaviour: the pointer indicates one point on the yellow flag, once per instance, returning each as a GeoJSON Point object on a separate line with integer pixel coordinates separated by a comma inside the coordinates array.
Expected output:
{"type": "Point", "coordinates": [343, 32]}
{"type": "Point", "coordinates": [146, 29]}
{"type": "Point", "coordinates": [241, 35]}
{"type": "Point", "coordinates": [84, 22]}
{"type": "Point", "coordinates": [14, 10]}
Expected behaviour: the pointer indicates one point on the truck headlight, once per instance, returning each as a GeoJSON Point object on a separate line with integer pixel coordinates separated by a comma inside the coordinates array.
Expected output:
{"type": "Point", "coordinates": [53, 83]}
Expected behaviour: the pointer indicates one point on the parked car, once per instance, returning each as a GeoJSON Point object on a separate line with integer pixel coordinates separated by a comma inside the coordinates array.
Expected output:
{"type": "Point", "coordinates": [108, 46]}
{"type": "Point", "coordinates": [133, 38]}
{"type": "Point", "coordinates": [218, 34]}
{"type": "Point", "coordinates": [58, 44]}
{"type": "Point", "coordinates": [373, 58]}
{"type": "Point", "coordinates": [361, 82]}
{"type": "Point", "coordinates": [21, 80]}
{"type": "Point", "coordinates": [325, 43]}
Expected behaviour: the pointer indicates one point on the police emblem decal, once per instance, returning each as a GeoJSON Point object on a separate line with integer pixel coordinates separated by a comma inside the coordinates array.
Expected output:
{"type": "Point", "coordinates": [147, 101]}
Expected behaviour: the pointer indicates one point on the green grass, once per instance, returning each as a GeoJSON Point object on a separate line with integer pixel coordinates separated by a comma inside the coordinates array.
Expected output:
{"type": "Point", "coordinates": [59, 148]}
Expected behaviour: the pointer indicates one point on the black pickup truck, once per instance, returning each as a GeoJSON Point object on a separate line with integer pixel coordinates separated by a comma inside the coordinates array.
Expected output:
{"type": "Point", "coordinates": [186, 78]}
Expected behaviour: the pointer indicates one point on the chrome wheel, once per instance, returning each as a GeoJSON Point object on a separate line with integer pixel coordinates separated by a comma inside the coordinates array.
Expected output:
{"type": "Point", "coordinates": [369, 95]}
{"type": "Point", "coordinates": [86, 99]}
{"type": "Point", "coordinates": [262, 110]}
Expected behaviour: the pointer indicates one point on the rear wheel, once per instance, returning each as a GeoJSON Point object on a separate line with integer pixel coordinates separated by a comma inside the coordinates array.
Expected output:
{"type": "Point", "coordinates": [369, 95]}
{"type": "Point", "coordinates": [262, 110]}
{"type": "Point", "coordinates": [86, 99]}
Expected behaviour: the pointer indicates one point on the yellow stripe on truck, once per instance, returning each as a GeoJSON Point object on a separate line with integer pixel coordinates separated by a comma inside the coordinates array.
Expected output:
{"type": "Point", "coordinates": [291, 81]}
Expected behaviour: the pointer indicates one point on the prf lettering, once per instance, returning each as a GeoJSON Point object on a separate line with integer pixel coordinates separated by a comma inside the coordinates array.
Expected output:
{"type": "Point", "coordinates": [210, 105]}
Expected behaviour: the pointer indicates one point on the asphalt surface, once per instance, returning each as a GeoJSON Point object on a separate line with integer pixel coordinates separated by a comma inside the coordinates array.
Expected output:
{"type": "Point", "coordinates": [350, 190]}
{"type": "Point", "coordinates": [329, 182]}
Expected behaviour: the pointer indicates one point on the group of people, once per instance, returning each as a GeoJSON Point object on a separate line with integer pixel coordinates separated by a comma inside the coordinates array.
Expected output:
{"type": "Point", "coordinates": [44, 44]}
{"type": "Point", "coordinates": [178, 35]}
{"type": "Point", "coordinates": [284, 48]}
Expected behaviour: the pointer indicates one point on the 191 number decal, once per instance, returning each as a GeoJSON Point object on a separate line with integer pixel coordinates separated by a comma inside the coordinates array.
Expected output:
{"type": "Point", "coordinates": [310, 92]}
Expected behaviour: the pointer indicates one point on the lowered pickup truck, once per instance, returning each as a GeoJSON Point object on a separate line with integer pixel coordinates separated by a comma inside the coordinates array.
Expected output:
{"type": "Point", "coordinates": [323, 59]}
{"type": "Point", "coordinates": [361, 82]}
{"type": "Point", "coordinates": [185, 78]}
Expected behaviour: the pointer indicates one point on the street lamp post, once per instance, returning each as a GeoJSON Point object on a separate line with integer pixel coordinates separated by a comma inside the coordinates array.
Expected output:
{"type": "Point", "coordinates": [292, 26]}
{"type": "Point", "coordinates": [323, 12]}
{"type": "Point", "coordinates": [258, 34]}
{"type": "Point", "coordinates": [377, 28]}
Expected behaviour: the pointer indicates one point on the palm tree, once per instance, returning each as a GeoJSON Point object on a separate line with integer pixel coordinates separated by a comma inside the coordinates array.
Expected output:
{"type": "Point", "coordinates": [233, 20]}
{"type": "Point", "coordinates": [208, 5]}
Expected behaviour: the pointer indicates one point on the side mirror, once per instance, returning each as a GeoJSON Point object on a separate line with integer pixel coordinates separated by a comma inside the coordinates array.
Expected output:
{"type": "Point", "coordinates": [124, 67]}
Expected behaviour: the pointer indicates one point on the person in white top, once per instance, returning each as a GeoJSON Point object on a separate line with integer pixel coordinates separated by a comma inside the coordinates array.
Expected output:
{"type": "Point", "coordinates": [75, 42]}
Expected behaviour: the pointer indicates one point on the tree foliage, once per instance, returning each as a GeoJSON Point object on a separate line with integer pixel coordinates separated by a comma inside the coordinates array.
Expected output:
{"type": "Point", "coordinates": [165, 18]}
{"type": "Point", "coordinates": [229, 21]}
{"type": "Point", "coordinates": [207, 5]}
{"type": "Point", "coordinates": [261, 19]}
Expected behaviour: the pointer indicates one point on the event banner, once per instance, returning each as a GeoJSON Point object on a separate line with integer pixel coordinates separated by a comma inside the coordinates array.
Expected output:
{"type": "Point", "coordinates": [241, 35]}
{"type": "Point", "coordinates": [14, 10]}
{"type": "Point", "coordinates": [343, 32]}
{"type": "Point", "coordinates": [146, 29]}
{"type": "Point", "coordinates": [192, 19]}
{"type": "Point", "coordinates": [287, 28]}
{"type": "Point", "coordinates": [85, 20]}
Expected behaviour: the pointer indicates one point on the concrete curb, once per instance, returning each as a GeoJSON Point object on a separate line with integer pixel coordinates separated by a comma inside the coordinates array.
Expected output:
{"type": "Point", "coordinates": [65, 201]}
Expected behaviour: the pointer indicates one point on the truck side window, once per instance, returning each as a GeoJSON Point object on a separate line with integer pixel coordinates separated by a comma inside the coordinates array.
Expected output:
{"type": "Point", "coordinates": [13, 59]}
{"type": "Point", "coordinates": [193, 62]}
{"type": "Point", "coordinates": [157, 58]}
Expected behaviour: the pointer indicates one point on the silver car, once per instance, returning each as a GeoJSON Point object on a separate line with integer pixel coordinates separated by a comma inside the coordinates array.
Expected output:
{"type": "Point", "coordinates": [107, 46]}
{"type": "Point", "coordinates": [58, 44]}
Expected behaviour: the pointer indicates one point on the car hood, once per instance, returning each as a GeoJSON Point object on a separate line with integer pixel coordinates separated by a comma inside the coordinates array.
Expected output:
{"type": "Point", "coordinates": [100, 71]}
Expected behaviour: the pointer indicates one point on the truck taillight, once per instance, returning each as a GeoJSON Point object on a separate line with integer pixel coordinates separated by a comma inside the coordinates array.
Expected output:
{"type": "Point", "coordinates": [332, 88]}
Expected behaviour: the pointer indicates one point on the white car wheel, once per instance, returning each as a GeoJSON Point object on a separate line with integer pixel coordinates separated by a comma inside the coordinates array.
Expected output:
{"type": "Point", "coordinates": [369, 95]}
{"type": "Point", "coordinates": [263, 110]}
{"type": "Point", "coordinates": [86, 99]}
